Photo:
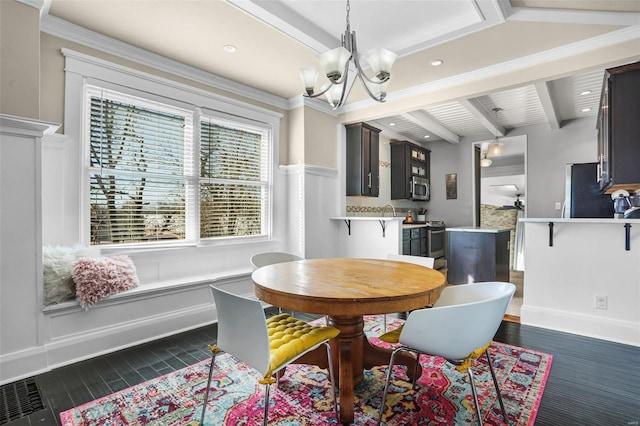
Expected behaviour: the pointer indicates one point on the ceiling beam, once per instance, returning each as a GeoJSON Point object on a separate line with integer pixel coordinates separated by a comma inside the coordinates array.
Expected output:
{"type": "Point", "coordinates": [488, 120]}
{"type": "Point", "coordinates": [549, 109]}
{"type": "Point", "coordinates": [430, 124]}
{"type": "Point", "coordinates": [392, 134]}
{"type": "Point", "coordinates": [566, 16]}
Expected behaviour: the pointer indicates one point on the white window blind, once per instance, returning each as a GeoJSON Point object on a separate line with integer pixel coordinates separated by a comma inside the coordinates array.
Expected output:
{"type": "Point", "coordinates": [145, 181]}
{"type": "Point", "coordinates": [234, 179]}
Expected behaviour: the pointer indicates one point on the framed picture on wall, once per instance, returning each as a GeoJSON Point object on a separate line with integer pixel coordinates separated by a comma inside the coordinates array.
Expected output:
{"type": "Point", "coordinates": [451, 182]}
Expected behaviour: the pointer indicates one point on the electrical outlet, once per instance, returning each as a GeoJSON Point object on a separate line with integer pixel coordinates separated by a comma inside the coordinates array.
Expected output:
{"type": "Point", "coordinates": [600, 302]}
{"type": "Point", "coordinates": [558, 206]}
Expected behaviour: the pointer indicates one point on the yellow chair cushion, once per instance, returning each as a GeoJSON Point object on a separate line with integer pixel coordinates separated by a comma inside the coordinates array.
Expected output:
{"type": "Point", "coordinates": [290, 337]}
{"type": "Point", "coordinates": [393, 336]}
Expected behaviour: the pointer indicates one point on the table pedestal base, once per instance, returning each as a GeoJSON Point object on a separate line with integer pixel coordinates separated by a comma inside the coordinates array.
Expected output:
{"type": "Point", "coordinates": [352, 354]}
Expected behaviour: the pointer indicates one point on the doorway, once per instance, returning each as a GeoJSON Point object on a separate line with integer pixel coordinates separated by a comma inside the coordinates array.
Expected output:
{"type": "Point", "coordinates": [500, 194]}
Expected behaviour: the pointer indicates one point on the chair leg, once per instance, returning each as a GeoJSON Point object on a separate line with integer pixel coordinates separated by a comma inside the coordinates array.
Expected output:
{"type": "Point", "coordinates": [475, 396]}
{"type": "Point", "coordinates": [266, 405]}
{"type": "Point", "coordinates": [206, 394]}
{"type": "Point", "coordinates": [383, 403]}
{"type": "Point", "coordinates": [332, 378]}
{"type": "Point", "coordinates": [495, 383]}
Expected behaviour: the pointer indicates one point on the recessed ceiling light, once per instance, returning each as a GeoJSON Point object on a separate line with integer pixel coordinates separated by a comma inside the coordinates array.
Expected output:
{"type": "Point", "coordinates": [437, 62]}
{"type": "Point", "coordinates": [229, 48]}
{"type": "Point", "coordinates": [392, 124]}
{"type": "Point", "coordinates": [585, 92]}
{"type": "Point", "coordinates": [427, 136]}
{"type": "Point", "coordinates": [586, 109]}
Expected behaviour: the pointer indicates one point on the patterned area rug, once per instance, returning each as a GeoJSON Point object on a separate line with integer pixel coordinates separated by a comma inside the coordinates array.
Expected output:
{"type": "Point", "coordinates": [304, 394]}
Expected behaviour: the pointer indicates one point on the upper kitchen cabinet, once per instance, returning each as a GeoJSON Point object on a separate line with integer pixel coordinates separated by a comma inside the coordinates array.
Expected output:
{"type": "Point", "coordinates": [409, 171]}
{"type": "Point", "coordinates": [619, 129]}
{"type": "Point", "coordinates": [363, 154]}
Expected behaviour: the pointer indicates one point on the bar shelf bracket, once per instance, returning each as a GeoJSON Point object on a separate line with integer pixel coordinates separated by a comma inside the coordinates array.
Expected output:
{"type": "Point", "coordinates": [383, 224]}
{"type": "Point", "coordinates": [551, 234]}
{"type": "Point", "coordinates": [348, 223]}
{"type": "Point", "coordinates": [627, 236]}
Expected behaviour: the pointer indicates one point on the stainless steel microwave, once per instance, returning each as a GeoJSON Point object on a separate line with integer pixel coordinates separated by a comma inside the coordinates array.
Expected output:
{"type": "Point", "coordinates": [419, 188]}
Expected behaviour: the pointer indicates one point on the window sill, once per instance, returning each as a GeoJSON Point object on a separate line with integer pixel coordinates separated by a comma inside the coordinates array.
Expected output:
{"type": "Point", "coordinates": [144, 290]}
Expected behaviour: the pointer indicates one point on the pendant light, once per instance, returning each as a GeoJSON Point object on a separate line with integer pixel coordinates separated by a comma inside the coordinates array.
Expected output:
{"type": "Point", "coordinates": [485, 162]}
{"type": "Point", "coordinates": [496, 148]}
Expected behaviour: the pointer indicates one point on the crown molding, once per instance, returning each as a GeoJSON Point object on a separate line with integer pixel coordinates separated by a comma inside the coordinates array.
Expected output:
{"type": "Point", "coordinates": [564, 16]}
{"type": "Point", "coordinates": [74, 33]}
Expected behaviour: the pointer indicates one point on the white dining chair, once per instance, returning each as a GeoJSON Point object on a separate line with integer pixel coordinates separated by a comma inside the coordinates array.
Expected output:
{"type": "Point", "coordinates": [418, 260]}
{"type": "Point", "coordinates": [270, 257]}
{"type": "Point", "coordinates": [459, 327]}
{"type": "Point", "coordinates": [259, 260]}
{"type": "Point", "coordinates": [267, 345]}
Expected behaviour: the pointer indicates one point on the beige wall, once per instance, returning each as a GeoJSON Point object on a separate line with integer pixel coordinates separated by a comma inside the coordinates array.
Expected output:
{"type": "Point", "coordinates": [52, 65]}
{"type": "Point", "coordinates": [295, 131]}
{"type": "Point", "coordinates": [19, 59]}
{"type": "Point", "coordinates": [320, 139]}
{"type": "Point", "coordinates": [313, 138]}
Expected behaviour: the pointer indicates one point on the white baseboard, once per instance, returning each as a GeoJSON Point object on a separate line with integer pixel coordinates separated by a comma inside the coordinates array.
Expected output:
{"type": "Point", "coordinates": [614, 330]}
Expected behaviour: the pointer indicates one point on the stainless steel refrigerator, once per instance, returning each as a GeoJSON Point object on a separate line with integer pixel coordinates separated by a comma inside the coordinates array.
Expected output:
{"type": "Point", "coordinates": [583, 198]}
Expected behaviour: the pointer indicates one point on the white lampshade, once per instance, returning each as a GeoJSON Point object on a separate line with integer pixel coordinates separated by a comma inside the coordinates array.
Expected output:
{"type": "Point", "coordinates": [309, 77]}
{"type": "Point", "coordinates": [380, 60]}
{"type": "Point", "coordinates": [379, 90]}
{"type": "Point", "coordinates": [485, 162]}
{"type": "Point", "coordinates": [333, 62]}
{"type": "Point", "coordinates": [334, 94]}
{"type": "Point", "coordinates": [495, 149]}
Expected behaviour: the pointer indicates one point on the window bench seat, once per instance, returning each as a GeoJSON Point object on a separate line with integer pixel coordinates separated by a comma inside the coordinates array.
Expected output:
{"type": "Point", "coordinates": [145, 290]}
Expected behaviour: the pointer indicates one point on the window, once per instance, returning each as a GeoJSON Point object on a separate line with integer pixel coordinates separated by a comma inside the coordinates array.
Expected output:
{"type": "Point", "coordinates": [233, 180]}
{"type": "Point", "coordinates": [147, 185]}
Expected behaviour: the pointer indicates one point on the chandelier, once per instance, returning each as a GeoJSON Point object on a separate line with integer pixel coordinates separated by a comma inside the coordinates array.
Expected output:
{"type": "Point", "coordinates": [335, 64]}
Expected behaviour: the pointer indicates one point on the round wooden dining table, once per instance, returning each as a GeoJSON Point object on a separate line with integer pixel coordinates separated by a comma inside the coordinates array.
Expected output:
{"type": "Point", "coordinates": [346, 289]}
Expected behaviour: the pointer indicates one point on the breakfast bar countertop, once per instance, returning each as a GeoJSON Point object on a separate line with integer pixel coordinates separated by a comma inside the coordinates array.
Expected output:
{"type": "Point", "coordinates": [476, 229]}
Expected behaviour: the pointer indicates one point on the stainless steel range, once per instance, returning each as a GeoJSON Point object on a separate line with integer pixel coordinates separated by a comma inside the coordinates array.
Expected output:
{"type": "Point", "coordinates": [435, 242]}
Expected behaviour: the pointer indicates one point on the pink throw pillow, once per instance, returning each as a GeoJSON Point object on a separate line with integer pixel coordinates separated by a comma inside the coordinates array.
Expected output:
{"type": "Point", "coordinates": [99, 277]}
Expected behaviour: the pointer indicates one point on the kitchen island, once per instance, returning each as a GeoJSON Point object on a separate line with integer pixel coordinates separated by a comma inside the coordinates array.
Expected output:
{"type": "Point", "coordinates": [583, 276]}
{"type": "Point", "coordinates": [476, 254]}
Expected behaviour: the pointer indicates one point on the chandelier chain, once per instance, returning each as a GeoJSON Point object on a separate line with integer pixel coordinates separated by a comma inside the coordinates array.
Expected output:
{"type": "Point", "coordinates": [348, 10]}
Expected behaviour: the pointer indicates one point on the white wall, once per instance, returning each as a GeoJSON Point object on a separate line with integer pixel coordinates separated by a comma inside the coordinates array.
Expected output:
{"type": "Point", "coordinates": [548, 153]}
{"type": "Point", "coordinates": [451, 158]}
{"type": "Point", "coordinates": [587, 259]}
{"type": "Point", "coordinates": [494, 195]}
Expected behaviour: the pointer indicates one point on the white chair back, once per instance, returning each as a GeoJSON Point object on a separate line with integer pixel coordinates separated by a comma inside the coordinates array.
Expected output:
{"type": "Point", "coordinates": [418, 260]}
{"type": "Point", "coordinates": [465, 318]}
{"type": "Point", "coordinates": [269, 258]}
{"type": "Point", "coordinates": [242, 329]}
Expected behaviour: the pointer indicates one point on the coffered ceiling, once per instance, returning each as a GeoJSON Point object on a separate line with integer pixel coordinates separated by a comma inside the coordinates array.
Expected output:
{"type": "Point", "coordinates": [478, 40]}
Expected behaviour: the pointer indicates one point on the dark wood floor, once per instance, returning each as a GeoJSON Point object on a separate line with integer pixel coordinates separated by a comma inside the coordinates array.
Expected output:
{"type": "Point", "coordinates": [592, 382]}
